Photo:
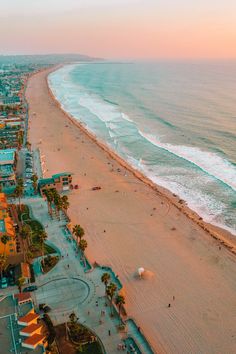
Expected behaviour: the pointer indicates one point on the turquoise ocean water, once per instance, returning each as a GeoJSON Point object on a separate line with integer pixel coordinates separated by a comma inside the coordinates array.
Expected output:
{"type": "Point", "coordinates": [176, 122]}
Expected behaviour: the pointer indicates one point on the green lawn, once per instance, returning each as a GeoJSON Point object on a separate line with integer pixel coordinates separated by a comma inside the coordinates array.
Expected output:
{"type": "Point", "coordinates": [36, 227]}
{"type": "Point", "coordinates": [49, 263]}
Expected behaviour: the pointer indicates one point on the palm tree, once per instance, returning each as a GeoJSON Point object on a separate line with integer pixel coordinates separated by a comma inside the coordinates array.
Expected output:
{"type": "Point", "coordinates": [20, 136]}
{"type": "Point", "coordinates": [57, 201]}
{"type": "Point", "coordinates": [78, 231]}
{"type": "Point", "coordinates": [73, 318]}
{"type": "Point", "coordinates": [3, 261]}
{"type": "Point", "coordinates": [28, 145]}
{"type": "Point", "coordinates": [58, 204]}
{"type": "Point", "coordinates": [65, 203]}
{"type": "Point", "coordinates": [29, 255]}
{"type": "Point", "coordinates": [25, 234]}
{"type": "Point", "coordinates": [49, 196]}
{"type": "Point", "coordinates": [105, 278]}
{"type": "Point", "coordinates": [5, 239]}
{"type": "Point", "coordinates": [20, 282]}
{"type": "Point", "coordinates": [83, 245]}
{"type": "Point", "coordinates": [120, 300]}
{"type": "Point", "coordinates": [20, 181]}
{"type": "Point", "coordinates": [110, 291]}
{"type": "Point", "coordinates": [42, 235]}
{"type": "Point", "coordinates": [19, 191]}
{"type": "Point", "coordinates": [35, 182]}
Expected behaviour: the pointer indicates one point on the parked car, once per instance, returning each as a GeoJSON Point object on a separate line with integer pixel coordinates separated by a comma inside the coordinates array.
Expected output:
{"type": "Point", "coordinates": [28, 175]}
{"type": "Point", "coordinates": [4, 284]}
{"type": "Point", "coordinates": [28, 165]}
{"type": "Point", "coordinates": [29, 170]}
{"type": "Point", "coordinates": [30, 288]}
{"type": "Point", "coordinates": [12, 281]}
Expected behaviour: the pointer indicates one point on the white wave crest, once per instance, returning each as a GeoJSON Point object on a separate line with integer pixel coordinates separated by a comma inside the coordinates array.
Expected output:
{"type": "Point", "coordinates": [209, 162]}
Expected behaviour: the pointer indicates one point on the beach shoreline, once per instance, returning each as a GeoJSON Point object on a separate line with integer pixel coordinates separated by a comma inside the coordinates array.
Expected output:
{"type": "Point", "coordinates": [130, 223]}
{"type": "Point", "coordinates": [223, 236]}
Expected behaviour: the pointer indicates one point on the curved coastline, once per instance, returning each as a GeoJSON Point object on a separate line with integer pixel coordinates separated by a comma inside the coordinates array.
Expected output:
{"type": "Point", "coordinates": [223, 236]}
{"type": "Point", "coordinates": [186, 262]}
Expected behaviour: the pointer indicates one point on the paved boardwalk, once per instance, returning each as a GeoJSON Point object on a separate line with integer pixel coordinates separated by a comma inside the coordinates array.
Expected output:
{"type": "Point", "coordinates": [70, 289]}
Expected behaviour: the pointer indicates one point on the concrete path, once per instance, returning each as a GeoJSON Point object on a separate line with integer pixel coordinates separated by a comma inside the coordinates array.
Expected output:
{"type": "Point", "coordinates": [67, 288]}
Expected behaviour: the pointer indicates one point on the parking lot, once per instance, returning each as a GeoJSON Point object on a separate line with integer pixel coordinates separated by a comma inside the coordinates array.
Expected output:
{"type": "Point", "coordinates": [25, 169]}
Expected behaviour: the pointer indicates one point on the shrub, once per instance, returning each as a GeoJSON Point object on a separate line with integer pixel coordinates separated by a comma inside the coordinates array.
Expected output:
{"type": "Point", "coordinates": [51, 330]}
{"type": "Point", "coordinates": [32, 279]}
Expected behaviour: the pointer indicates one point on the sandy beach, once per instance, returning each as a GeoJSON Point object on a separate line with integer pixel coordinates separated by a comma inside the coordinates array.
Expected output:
{"type": "Point", "coordinates": [130, 223]}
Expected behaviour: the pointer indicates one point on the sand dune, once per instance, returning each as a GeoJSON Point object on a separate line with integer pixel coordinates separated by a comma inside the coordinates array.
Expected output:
{"type": "Point", "coordinates": [128, 224]}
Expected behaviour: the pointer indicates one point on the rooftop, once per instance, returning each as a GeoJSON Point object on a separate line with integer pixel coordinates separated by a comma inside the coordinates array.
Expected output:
{"type": "Point", "coordinates": [25, 270]}
{"type": "Point", "coordinates": [61, 174]}
{"type": "Point", "coordinates": [31, 328]}
{"type": "Point", "coordinates": [7, 156]}
{"type": "Point", "coordinates": [22, 297]}
{"type": "Point", "coordinates": [28, 318]}
{"type": "Point", "coordinates": [6, 226]}
{"type": "Point", "coordinates": [51, 180]}
{"type": "Point", "coordinates": [6, 170]}
{"type": "Point", "coordinates": [35, 339]}
{"type": "Point", "coordinates": [3, 201]}
{"type": "Point", "coordinates": [45, 181]}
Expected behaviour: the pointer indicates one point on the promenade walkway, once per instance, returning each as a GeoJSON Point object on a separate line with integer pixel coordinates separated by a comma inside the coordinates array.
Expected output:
{"type": "Point", "coordinates": [67, 288]}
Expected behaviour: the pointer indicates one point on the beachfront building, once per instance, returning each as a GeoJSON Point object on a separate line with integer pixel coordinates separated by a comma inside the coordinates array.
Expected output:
{"type": "Point", "coordinates": [23, 298]}
{"type": "Point", "coordinates": [8, 159]}
{"type": "Point", "coordinates": [60, 181]}
{"type": "Point", "coordinates": [6, 228]}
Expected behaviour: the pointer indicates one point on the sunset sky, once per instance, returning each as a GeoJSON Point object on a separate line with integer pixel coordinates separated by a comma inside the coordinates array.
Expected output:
{"type": "Point", "coordinates": [142, 29]}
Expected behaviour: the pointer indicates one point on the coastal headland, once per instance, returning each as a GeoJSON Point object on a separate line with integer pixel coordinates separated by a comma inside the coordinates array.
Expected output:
{"type": "Point", "coordinates": [131, 223]}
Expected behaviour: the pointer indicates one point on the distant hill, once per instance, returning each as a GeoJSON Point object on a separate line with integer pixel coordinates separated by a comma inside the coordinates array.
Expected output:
{"type": "Point", "coordinates": [44, 59]}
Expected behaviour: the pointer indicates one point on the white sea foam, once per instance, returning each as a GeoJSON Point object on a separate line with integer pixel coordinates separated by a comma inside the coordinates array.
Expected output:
{"type": "Point", "coordinates": [72, 97]}
{"type": "Point", "coordinates": [69, 92]}
{"type": "Point", "coordinates": [209, 162]}
{"type": "Point", "coordinates": [126, 117]}
{"type": "Point", "coordinates": [205, 205]}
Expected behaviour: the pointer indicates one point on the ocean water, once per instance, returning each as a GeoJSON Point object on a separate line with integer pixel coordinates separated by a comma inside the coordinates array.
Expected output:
{"type": "Point", "coordinates": [175, 122]}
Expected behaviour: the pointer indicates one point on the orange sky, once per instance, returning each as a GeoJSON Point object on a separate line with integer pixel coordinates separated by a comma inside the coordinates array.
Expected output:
{"type": "Point", "coordinates": [120, 29]}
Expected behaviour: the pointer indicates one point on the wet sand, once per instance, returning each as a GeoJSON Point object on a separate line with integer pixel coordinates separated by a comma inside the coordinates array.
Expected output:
{"type": "Point", "coordinates": [131, 223]}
